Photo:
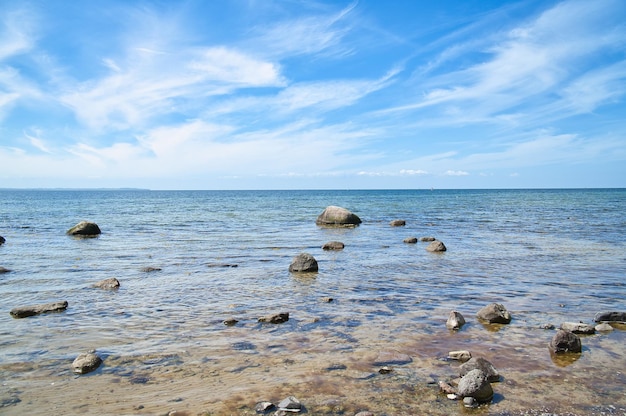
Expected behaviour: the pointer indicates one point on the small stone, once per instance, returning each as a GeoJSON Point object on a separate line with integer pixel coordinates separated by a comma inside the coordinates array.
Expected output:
{"type": "Point", "coordinates": [108, 284]}
{"type": "Point", "coordinates": [397, 223]}
{"type": "Point", "coordinates": [452, 396]}
{"type": "Point", "coordinates": [2, 240]}
{"type": "Point", "coordinates": [446, 388]}
{"type": "Point", "coordinates": [546, 326]}
{"type": "Point", "coordinates": [263, 407]}
{"type": "Point", "coordinates": [364, 413]}
{"type": "Point", "coordinates": [470, 402]}
{"type": "Point", "coordinates": [230, 322]}
{"type": "Point", "coordinates": [290, 404]}
{"type": "Point", "coordinates": [436, 247]}
{"type": "Point", "coordinates": [303, 262]}
{"type": "Point", "coordinates": [385, 370]}
{"type": "Point", "coordinates": [604, 327]}
{"type": "Point", "coordinates": [410, 240]}
{"type": "Point", "coordinates": [565, 341]}
{"type": "Point", "coordinates": [86, 363]}
{"type": "Point", "coordinates": [494, 313]}
{"type": "Point", "coordinates": [483, 365]}
{"type": "Point", "coordinates": [578, 328]}
{"type": "Point", "coordinates": [455, 320]}
{"type": "Point", "coordinates": [333, 245]}
{"type": "Point", "coordinates": [4, 270]}
{"type": "Point", "coordinates": [427, 239]}
{"type": "Point", "coordinates": [460, 355]}
{"type": "Point", "coordinates": [327, 299]}
{"type": "Point", "coordinates": [277, 318]}
{"type": "Point", "coordinates": [150, 269]}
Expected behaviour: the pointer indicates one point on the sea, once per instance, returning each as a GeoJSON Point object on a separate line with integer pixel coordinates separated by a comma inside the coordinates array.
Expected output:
{"type": "Point", "coordinates": [365, 333]}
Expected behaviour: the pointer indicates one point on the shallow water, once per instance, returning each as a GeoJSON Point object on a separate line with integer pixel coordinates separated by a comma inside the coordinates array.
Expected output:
{"type": "Point", "coordinates": [549, 256]}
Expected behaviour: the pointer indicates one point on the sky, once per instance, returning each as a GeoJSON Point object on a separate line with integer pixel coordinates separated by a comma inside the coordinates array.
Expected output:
{"type": "Point", "coordinates": [289, 94]}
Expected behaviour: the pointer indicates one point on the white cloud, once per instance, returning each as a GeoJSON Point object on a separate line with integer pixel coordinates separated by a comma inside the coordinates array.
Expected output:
{"type": "Point", "coordinates": [456, 173]}
{"type": "Point", "coordinates": [15, 32]}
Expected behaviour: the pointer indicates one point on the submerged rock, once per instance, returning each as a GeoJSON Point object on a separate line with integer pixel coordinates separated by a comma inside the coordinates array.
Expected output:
{"type": "Point", "coordinates": [230, 322]}
{"type": "Point", "coordinates": [427, 238]}
{"type": "Point", "coordinates": [2, 240]}
{"type": "Point", "coordinates": [610, 317]}
{"type": "Point", "coordinates": [481, 364]}
{"type": "Point", "coordinates": [475, 384]}
{"type": "Point", "coordinates": [455, 320]}
{"type": "Point", "coordinates": [461, 355]}
{"type": "Point", "coordinates": [578, 328]}
{"type": "Point", "coordinates": [397, 223]}
{"type": "Point", "coordinates": [149, 269]}
{"type": "Point", "coordinates": [494, 313]}
{"type": "Point", "coordinates": [86, 363]}
{"type": "Point", "coordinates": [24, 311]}
{"type": "Point", "coordinates": [333, 245]}
{"type": "Point", "coordinates": [109, 284]}
{"type": "Point", "coordinates": [4, 270]}
{"type": "Point", "coordinates": [337, 216]}
{"type": "Point", "coordinates": [410, 240]}
{"type": "Point", "coordinates": [436, 247]}
{"type": "Point", "coordinates": [386, 358]}
{"type": "Point", "coordinates": [303, 262]}
{"type": "Point", "coordinates": [277, 318]}
{"type": "Point", "coordinates": [85, 229]}
{"type": "Point", "coordinates": [565, 341]}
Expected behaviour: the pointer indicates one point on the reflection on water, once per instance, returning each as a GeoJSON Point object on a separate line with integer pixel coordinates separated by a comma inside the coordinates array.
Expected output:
{"type": "Point", "coordinates": [162, 334]}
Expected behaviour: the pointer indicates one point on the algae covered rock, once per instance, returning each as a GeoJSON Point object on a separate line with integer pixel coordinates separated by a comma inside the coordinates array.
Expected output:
{"type": "Point", "coordinates": [85, 229]}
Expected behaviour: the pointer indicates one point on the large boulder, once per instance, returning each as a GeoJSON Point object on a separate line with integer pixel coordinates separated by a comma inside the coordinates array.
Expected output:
{"type": "Point", "coordinates": [337, 216]}
{"type": "Point", "coordinates": [475, 384]}
{"type": "Point", "coordinates": [565, 341]}
{"type": "Point", "coordinates": [494, 313]}
{"type": "Point", "coordinates": [303, 262]}
{"type": "Point", "coordinates": [480, 364]}
{"type": "Point", "coordinates": [85, 229]}
{"type": "Point", "coordinates": [111, 283]}
{"type": "Point", "coordinates": [610, 317]}
{"type": "Point", "coordinates": [436, 247]}
{"type": "Point", "coordinates": [25, 311]}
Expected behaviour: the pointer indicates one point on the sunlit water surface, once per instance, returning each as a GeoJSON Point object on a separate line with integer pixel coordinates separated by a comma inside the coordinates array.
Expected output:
{"type": "Point", "coordinates": [549, 256]}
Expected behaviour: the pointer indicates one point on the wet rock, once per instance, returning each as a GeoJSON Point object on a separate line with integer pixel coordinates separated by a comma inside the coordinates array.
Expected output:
{"type": "Point", "coordinates": [290, 404]}
{"type": "Point", "coordinates": [410, 240]}
{"type": "Point", "coordinates": [546, 326]}
{"type": "Point", "coordinates": [392, 358]}
{"type": "Point", "coordinates": [565, 341]}
{"type": "Point", "coordinates": [385, 370]}
{"type": "Point", "coordinates": [610, 317]}
{"type": "Point", "coordinates": [436, 247]}
{"type": "Point", "coordinates": [224, 265]}
{"type": "Point", "coordinates": [25, 311]}
{"type": "Point", "coordinates": [470, 402]}
{"type": "Point", "coordinates": [277, 318]}
{"type": "Point", "coordinates": [150, 269]}
{"type": "Point", "coordinates": [109, 284]}
{"type": "Point", "coordinates": [604, 327]}
{"type": "Point", "coordinates": [455, 320]}
{"type": "Point", "coordinates": [85, 229]}
{"type": "Point", "coordinates": [86, 363]}
{"type": "Point", "coordinates": [461, 356]}
{"type": "Point", "coordinates": [578, 328]}
{"type": "Point", "coordinates": [303, 262]}
{"type": "Point", "coordinates": [427, 239]}
{"type": "Point", "coordinates": [263, 407]}
{"type": "Point", "coordinates": [230, 322]}
{"type": "Point", "coordinates": [2, 240]}
{"type": "Point", "coordinates": [327, 299]}
{"type": "Point", "coordinates": [475, 384]}
{"type": "Point", "coordinates": [4, 270]}
{"type": "Point", "coordinates": [337, 216]}
{"type": "Point", "coordinates": [333, 245]}
{"type": "Point", "coordinates": [446, 388]}
{"type": "Point", "coordinates": [494, 313]}
{"type": "Point", "coordinates": [397, 223]}
{"type": "Point", "coordinates": [483, 365]}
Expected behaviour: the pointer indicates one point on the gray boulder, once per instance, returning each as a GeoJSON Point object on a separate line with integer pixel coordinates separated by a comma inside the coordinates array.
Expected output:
{"type": "Point", "coordinates": [290, 404]}
{"type": "Point", "coordinates": [84, 229]}
{"type": "Point", "coordinates": [4, 270]}
{"type": "Point", "coordinates": [578, 328]}
{"type": "Point", "coordinates": [610, 317]}
{"type": "Point", "coordinates": [397, 223]}
{"type": "Point", "coordinates": [337, 216]}
{"type": "Point", "coordinates": [410, 240]}
{"type": "Point", "coordinates": [86, 363]}
{"type": "Point", "coordinates": [427, 238]}
{"type": "Point", "coordinates": [333, 245]}
{"type": "Point", "coordinates": [455, 320]}
{"type": "Point", "coordinates": [25, 311]}
{"type": "Point", "coordinates": [475, 384]}
{"type": "Point", "coordinates": [480, 364]}
{"type": "Point", "coordinates": [277, 318]}
{"type": "Point", "coordinates": [436, 247]}
{"type": "Point", "coordinates": [303, 262]}
{"type": "Point", "coordinates": [109, 284]}
{"type": "Point", "coordinates": [494, 313]}
{"type": "Point", "coordinates": [565, 341]}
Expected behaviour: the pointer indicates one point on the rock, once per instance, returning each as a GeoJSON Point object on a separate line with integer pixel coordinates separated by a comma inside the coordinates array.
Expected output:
{"type": "Point", "coordinates": [327, 299]}
{"type": "Point", "coordinates": [436, 247]}
{"type": "Point", "coordinates": [410, 240]}
{"type": "Point", "coordinates": [392, 358]}
{"type": "Point", "coordinates": [337, 216]}
{"type": "Point", "coordinates": [604, 327]}
{"type": "Point", "coordinates": [364, 413]}
{"type": "Point", "coordinates": [426, 239]}
{"type": "Point", "coordinates": [333, 245]}
{"type": "Point", "coordinates": [2, 240]}
{"type": "Point", "coordinates": [224, 265]}
{"type": "Point", "coordinates": [290, 404]}
{"type": "Point", "coordinates": [150, 269]}
{"type": "Point", "coordinates": [397, 223]}
{"type": "Point", "coordinates": [475, 384]}
{"type": "Point", "coordinates": [4, 270]}
{"type": "Point", "coordinates": [455, 320]}
{"type": "Point", "coordinates": [483, 365]}
{"type": "Point", "coordinates": [446, 387]}
{"type": "Point", "coordinates": [565, 341]}
{"type": "Point", "coordinates": [85, 229]}
{"type": "Point", "coordinates": [277, 318]}
{"type": "Point", "coordinates": [578, 328]}
{"type": "Point", "coordinates": [460, 355]}
{"type": "Point", "coordinates": [86, 363]}
{"type": "Point", "coordinates": [610, 317]}
{"type": "Point", "coordinates": [494, 313]}
{"type": "Point", "coordinates": [263, 407]}
{"type": "Point", "coordinates": [470, 402]}
{"type": "Point", "coordinates": [230, 322]}
{"type": "Point", "coordinates": [24, 311]}
{"type": "Point", "coordinates": [546, 326]}
{"type": "Point", "coordinates": [111, 283]}
{"type": "Point", "coordinates": [385, 370]}
{"type": "Point", "coordinates": [303, 262]}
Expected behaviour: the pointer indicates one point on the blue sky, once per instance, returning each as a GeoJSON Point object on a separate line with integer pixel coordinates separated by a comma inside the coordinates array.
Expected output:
{"type": "Point", "coordinates": [261, 94]}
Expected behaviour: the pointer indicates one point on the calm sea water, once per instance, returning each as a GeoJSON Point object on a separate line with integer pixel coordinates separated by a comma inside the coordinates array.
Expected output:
{"type": "Point", "coordinates": [548, 255]}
